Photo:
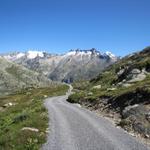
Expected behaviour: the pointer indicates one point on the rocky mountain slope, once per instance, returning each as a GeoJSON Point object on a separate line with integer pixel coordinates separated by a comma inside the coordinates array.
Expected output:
{"type": "Point", "coordinates": [14, 77]}
{"type": "Point", "coordinates": [74, 65]}
{"type": "Point", "coordinates": [121, 92]}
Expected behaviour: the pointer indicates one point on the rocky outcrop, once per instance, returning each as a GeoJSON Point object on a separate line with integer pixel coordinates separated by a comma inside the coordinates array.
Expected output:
{"type": "Point", "coordinates": [128, 76]}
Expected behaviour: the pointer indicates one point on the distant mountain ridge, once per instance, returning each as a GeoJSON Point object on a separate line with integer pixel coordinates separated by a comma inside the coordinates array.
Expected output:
{"type": "Point", "coordinates": [73, 65]}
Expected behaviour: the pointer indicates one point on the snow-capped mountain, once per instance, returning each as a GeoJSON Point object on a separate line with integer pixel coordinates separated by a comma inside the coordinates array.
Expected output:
{"type": "Point", "coordinates": [28, 55]}
{"type": "Point", "coordinates": [109, 54]}
{"type": "Point", "coordinates": [73, 65]}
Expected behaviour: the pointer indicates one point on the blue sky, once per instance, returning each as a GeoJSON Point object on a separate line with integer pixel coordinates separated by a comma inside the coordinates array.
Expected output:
{"type": "Point", "coordinates": [120, 26]}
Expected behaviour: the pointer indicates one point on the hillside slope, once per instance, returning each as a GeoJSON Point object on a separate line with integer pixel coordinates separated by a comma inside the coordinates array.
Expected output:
{"type": "Point", "coordinates": [14, 77]}
{"type": "Point", "coordinates": [71, 66]}
{"type": "Point", "coordinates": [122, 92]}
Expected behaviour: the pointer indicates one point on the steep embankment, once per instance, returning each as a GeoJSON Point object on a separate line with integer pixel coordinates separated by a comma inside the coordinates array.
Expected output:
{"type": "Point", "coordinates": [122, 91]}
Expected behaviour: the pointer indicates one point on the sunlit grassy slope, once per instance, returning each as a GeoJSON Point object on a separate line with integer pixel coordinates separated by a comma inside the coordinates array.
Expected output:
{"type": "Point", "coordinates": [27, 110]}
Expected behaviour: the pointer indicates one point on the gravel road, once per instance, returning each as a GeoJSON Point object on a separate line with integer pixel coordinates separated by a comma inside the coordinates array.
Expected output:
{"type": "Point", "coordinates": [75, 128]}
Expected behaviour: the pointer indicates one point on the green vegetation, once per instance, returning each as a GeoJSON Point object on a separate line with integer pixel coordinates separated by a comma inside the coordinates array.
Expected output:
{"type": "Point", "coordinates": [25, 109]}
{"type": "Point", "coordinates": [108, 79]}
{"type": "Point", "coordinates": [110, 92]}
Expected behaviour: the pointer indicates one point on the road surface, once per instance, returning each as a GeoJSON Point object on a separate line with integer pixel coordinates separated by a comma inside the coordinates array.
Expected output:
{"type": "Point", "coordinates": [75, 128]}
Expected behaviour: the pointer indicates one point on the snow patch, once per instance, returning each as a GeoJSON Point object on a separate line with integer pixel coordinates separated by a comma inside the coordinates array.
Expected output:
{"type": "Point", "coordinates": [71, 53]}
{"type": "Point", "coordinates": [110, 54]}
{"type": "Point", "coordinates": [34, 54]}
{"type": "Point", "coordinates": [79, 53]}
{"type": "Point", "coordinates": [20, 55]}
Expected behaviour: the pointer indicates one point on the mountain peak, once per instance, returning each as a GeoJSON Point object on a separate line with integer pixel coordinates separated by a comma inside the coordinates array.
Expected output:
{"type": "Point", "coordinates": [74, 65]}
{"type": "Point", "coordinates": [33, 54]}
{"type": "Point", "coordinates": [83, 52]}
{"type": "Point", "coordinates": [108, 53]}
{"type": "Point", "coordinates": [90, 52]}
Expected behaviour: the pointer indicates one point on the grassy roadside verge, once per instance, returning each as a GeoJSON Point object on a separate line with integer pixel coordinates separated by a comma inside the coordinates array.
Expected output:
{"type": "Point", "coordinates": [25, 109]}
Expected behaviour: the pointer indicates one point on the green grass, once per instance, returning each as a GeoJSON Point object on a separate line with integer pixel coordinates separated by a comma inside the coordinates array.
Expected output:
{"type": "Point", "coordinates": [107, 100]}
{"type": "Point", "coordinates": [109, 79]}
{"type": "Point", "coordinates": [83, 95]}
{"type": "Point", "coordinates": [28, 111]}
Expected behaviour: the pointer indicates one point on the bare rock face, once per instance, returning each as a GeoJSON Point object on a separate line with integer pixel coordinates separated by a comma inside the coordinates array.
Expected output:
{"type": "Point", "coordinates": [69, 67]}
{"type": "Point", "coordinates": [128, 77]}
{"type": "Point", "coordinates": [136, 75]}
{"type": "Point", "coordinates": [14, 77]}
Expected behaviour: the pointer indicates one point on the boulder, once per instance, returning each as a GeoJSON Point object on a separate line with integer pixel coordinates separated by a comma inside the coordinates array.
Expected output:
{"type": "Point", "coordinates": [136, 75]}
{"type": "Point", "coordinates": [137, 78]}
{"type": "Point", "coordinates": [97, 87]}
{"type": "Point", "coordinates": [121, 72]}
{"type": "Point", "coordinates": [135, 71]}
{"type": "Point", "coordinates": [8, 105]}
{"type": "Point", "coordinates": [45, 96]}
{"type": "Point", "coordinates": [129, 110]}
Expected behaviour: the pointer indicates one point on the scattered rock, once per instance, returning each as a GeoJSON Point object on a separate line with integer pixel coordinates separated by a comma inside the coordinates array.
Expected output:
{"type": "Point", "coordinates": [8, 105]}
{"type": "Point", "coordinates": [135, 71]}
{"type": "Point", "coordinates": [126, 77]}
{"type": "Point", "coordinates": [136, 75]}
{"type": "Point", "coordinates": [121, 72]}
{"type": "Point", "coordinates": [147, 136]}
{"type": "Point", "coordinates": [97, 87]}
{"type": "Point", "coordinates": [137, 78]}
{"type": "Point", "coordinates": [45, 96]}
{"type": "Point", "coordinates": [132, 134]}
{"type": "Point", "coordinates": [47, 130]}
{"type": "Point", "coordinates": [90, 93]}
{"type": "Point", "coordinates": [30, 129]}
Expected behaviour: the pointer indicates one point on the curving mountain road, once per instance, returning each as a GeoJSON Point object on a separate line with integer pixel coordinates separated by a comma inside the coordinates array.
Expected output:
{"type": "Point", "coordinates": [75, 128]}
